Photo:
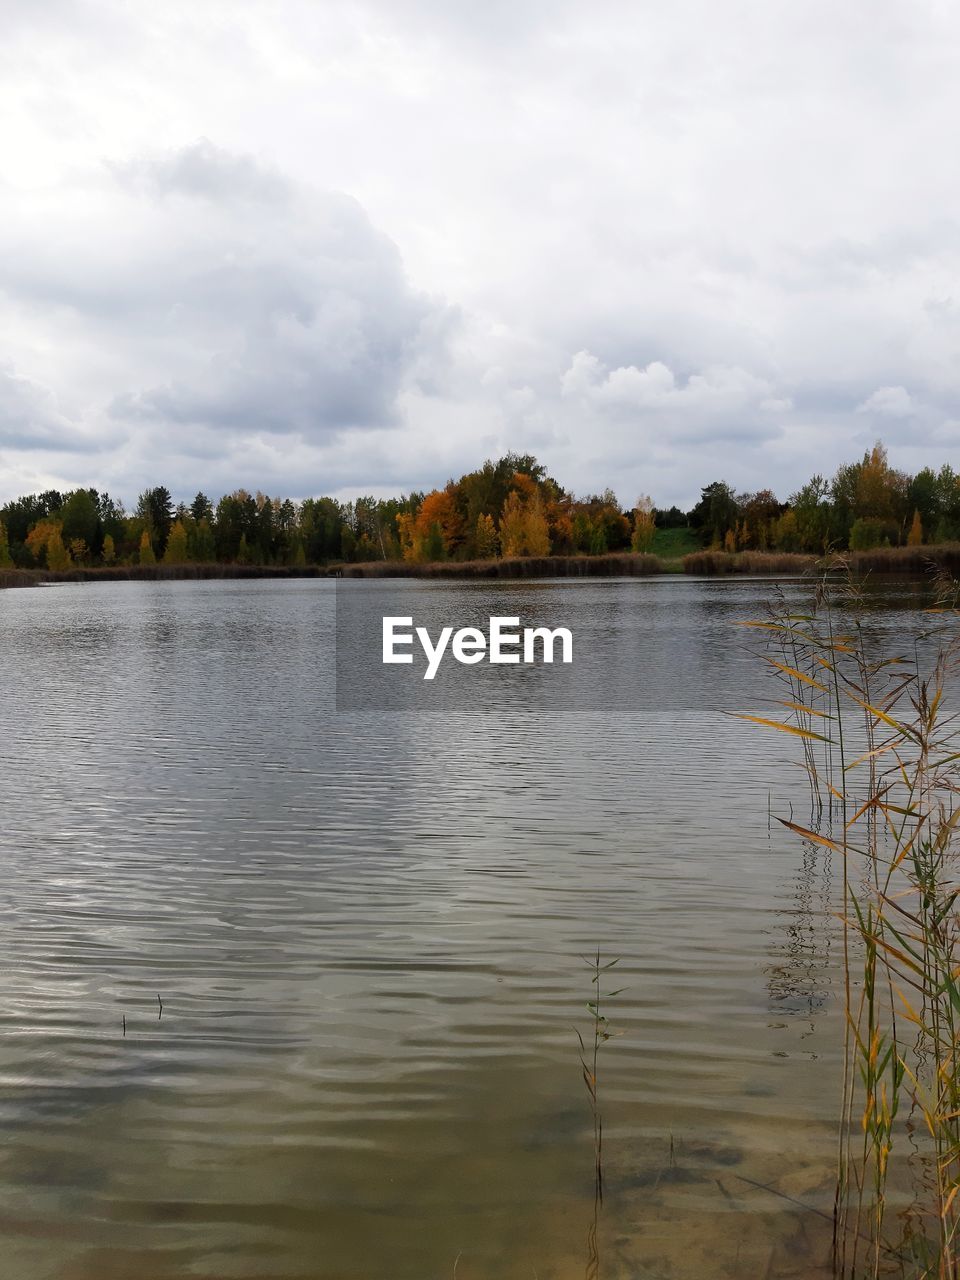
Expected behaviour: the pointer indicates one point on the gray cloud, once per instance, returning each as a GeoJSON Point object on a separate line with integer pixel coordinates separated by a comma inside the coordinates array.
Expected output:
{"type": "Point", "coordinates": [237, 299]}
{"type": "Point", "coordinates": [204, 171]}
{"type": "Point", "coordinates": [31, 419]}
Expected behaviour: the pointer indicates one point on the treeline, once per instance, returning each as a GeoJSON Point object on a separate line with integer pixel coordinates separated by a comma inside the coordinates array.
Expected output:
{"type": "Point", "coordinates": [510, 508]}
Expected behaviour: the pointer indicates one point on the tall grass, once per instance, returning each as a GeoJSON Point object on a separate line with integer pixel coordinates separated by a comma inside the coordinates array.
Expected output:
{"type": "Point", "coordinates": [17, 578]}
{"type": "Point", "coordinates": [711, 563]}
{"type": "Point", "coordinates": [881, 752]}
{"type": "Point", "coordinates": [627, 564]}
{"type": "Point", "coordinates": [909, 560]}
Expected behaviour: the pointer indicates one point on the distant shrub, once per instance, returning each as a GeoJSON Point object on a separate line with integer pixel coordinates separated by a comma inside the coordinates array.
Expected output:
{"type": "Point", "coordinates": [871, 531]}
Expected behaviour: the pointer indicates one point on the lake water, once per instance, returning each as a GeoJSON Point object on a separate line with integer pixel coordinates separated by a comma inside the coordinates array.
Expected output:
{"type": "Point", "coordinates": [368, 929]}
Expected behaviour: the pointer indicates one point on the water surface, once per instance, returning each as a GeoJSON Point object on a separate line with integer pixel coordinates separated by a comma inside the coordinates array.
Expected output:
{"type": "Point", "coordinates": [367, 931]}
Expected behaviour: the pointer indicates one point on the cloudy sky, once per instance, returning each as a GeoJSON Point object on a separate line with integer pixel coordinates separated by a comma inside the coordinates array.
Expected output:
{"type": "Point", "coordinates": [359, 246]}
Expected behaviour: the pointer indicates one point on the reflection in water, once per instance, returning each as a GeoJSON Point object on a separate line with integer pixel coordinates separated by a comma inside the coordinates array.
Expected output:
{"type": "Point", "coordinates": [366, 930]}
{"type": "Point", "coordinates": [798, 979]}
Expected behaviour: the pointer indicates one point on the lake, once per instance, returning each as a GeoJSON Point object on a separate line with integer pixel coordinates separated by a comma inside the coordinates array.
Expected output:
{"type": "Point", "coordinates": [349, 948]}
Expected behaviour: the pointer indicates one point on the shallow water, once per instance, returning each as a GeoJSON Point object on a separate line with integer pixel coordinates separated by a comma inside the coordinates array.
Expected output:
{"type": "Point", "coordinates": [367, 931]}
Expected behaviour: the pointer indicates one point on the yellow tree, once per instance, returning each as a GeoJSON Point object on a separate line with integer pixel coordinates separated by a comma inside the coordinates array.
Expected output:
{"type": "Point", "coordinates": [915, 536]}
{"type": "Point", "coordinates": [58, 557]}
{"type": "Point", "coordinates": [511, 526]}
{"type": "Point", "coordinates": [644, 525]}
{"type": "Point", "coordinates": [407, 533]}
{"type": "Point", "coordinates": [486, 538]}
{"type": "Point", "coordinates": [879, 489]}
{"type": "Point", "coordinates": [536, 531]}
{"type": "Point", "coordinates": [6, 560]}
{"type": "Point", "coordinates": [146, 549]}
{"type": "Point", "coordinates": [45, 543]}
{"type": "Point", "coordinates": [109, 550]}
{"type": "Point", "coordinates": [524, 528]}
{"type": "Point", "coordinates": [176, 552]}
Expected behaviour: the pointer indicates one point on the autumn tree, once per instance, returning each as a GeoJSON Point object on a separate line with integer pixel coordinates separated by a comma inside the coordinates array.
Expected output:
{"type": "Point", "coordinates": [560, 511]}
{"type": "Point", "coordinates": [439, 508]}
{"type": "Point", "coordinates": [512, 525]}
{"type": "Point", "coordinates": [109, 552]}
{"type": "Point", "coordinates": [915, 536]}
{"type": "Point", "coordinates": [524, 530]}
{"type": "Point", "coordinates": [58, 557]}
{"type": "Point", "coordinates": [786, 535]}
{"type": "Point", "coordinates": [6, 560]}
{"type": "Point", "coordinates": [878, 486]}
{"type": "Point", "coordinates": [147, 555]}
{"type": "Point", "coordinates": [644, 525]}
{"type": "Point", "coordinates": [435, 531]}
{"type": "Point", "coordinates": [486, 540]}
{"type": "Point", "coordinates": [45, 543]}
{"type": "Point", "coordinates": [176, 551]}
{"type": "Point", "coordinates": [536, 529]}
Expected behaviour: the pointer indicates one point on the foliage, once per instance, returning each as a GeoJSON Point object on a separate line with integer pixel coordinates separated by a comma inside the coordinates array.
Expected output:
{"type": "Point", "coordinates": [868, 532]}
{"type": "Point", "coordinates": [509, 507]}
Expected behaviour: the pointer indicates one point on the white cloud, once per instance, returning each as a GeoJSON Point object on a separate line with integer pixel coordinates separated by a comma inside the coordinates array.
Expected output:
{"type": "Point", "coordinates": [716, 392]}
{"type": "Point", "coordinates": [889, 402]}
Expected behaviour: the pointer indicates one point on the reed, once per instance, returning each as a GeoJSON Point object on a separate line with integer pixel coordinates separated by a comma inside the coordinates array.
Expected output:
{"type": "Point", "coordinates": [907, 560]}
{"type": "Point", "coordinates": [711, 563]}
{"type": "Point", "coordinates": [590, 1048]}
{"type": "Point", "coordinates": [18, 578]}
{"type": "Point", "coordinates": [625, 565]}
{"type": "Point", "coordinates": [881, 752]}
{"type": "Point", "coordinates": [590, 1058]}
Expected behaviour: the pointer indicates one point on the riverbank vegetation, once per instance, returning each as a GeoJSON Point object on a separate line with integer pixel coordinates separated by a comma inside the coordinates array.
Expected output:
{"type": "Point", "coordinates": [881, 747]}
{"type": "Point", "coordinates": [506, 511]}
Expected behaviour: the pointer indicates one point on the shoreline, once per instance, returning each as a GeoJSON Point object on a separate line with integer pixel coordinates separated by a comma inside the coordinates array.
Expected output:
{"type": "Point", "coordinates": [885, 561]}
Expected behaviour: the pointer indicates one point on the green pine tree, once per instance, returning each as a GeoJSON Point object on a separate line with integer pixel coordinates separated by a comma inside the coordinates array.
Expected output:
{"type": "Point", "coordinates": [6, 560]}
